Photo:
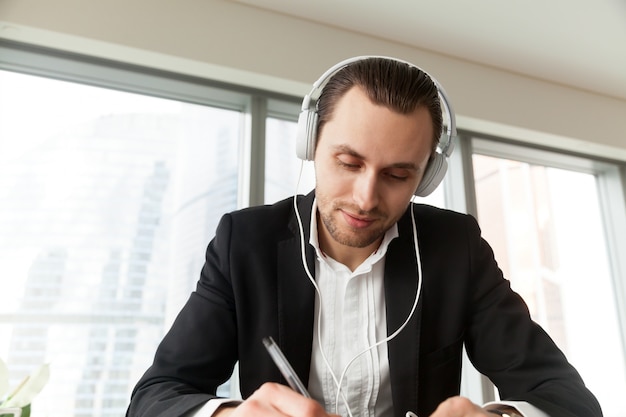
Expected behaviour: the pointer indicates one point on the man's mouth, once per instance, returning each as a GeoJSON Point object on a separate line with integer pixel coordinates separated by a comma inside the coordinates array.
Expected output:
{"type": "Point", "coordinates": [356, 221]}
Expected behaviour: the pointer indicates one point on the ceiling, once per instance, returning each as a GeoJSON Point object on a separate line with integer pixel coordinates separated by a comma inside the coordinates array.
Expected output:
{"type": "Point", "coordinates": [579, 43]}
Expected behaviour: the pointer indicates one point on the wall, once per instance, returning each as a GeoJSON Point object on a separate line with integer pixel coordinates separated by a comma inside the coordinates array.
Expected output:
{"type": "Point", "coordinates": [233, 42]}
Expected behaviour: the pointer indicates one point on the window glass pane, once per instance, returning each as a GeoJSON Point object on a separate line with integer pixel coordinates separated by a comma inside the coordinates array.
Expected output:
{"type": "Point", "coordinates": [546, 229]}
{"type": "Point", "coordinates": [108, 201]}
{"type": "Point", "coordinates": [282, 167]}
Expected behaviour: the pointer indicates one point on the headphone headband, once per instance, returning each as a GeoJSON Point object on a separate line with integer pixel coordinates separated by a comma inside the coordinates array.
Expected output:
{"type": "Point", "coordinates": [308, 120]}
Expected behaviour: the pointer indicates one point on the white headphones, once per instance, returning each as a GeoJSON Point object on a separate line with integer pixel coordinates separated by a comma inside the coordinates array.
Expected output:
{"type": "Point", "coordinates": [308, 121]}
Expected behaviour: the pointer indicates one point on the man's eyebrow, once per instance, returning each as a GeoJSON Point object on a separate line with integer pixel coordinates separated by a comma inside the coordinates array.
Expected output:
{"type": "Point", "coordinates": [349, 151]}
{"type": "Point", "coordinates": [405, 165]}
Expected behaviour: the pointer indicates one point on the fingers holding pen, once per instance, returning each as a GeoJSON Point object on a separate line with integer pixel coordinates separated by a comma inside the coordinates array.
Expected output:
{"type": "Point", "coordinates": [290, 402]}
{"type": "Point", "coordinates": [272, 399]}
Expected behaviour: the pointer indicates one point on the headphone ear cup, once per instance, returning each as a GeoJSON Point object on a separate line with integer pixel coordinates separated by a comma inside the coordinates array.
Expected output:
{"type": "Point", "coordinates": [307, 132]}
{"type": "Point", "coordinates": [435, 171]}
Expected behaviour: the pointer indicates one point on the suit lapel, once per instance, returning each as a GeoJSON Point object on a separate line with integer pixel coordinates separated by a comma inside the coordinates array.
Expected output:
{"type": "Point", "coordinates": [296, 294]}
{"type": "Point", "coordinates": [403, 351]}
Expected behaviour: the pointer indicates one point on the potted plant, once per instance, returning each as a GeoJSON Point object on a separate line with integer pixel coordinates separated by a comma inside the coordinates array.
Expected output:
{"type": "Point", "coordinates": [17, 402]}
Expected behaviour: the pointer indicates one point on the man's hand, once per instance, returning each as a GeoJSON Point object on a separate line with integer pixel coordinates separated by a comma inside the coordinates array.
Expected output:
{"type": "Point", "coordinates": [460, 407]}
{"type": "Point", "coordinates": [273, 399]}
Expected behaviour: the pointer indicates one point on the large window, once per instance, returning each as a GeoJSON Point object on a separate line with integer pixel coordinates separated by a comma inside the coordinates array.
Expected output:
{"type": "Point", "coordinates": [542, 213]}
{"type": "Point", "coordinates": [108, 198]}
{"type": "Point", "coordinates": [113, 178]}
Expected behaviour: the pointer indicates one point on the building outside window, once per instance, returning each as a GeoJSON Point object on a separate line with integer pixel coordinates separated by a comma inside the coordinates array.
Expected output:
{"type": "Point", "coordinates": [109, 199]}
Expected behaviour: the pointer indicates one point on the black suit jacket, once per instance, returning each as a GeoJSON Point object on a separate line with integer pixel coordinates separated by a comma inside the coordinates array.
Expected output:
{"type": "Point", "coordinates": [253, 285]}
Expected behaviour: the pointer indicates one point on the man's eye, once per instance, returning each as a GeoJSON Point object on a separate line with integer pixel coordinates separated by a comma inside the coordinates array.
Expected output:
{"type": "Point", "coordinates": [347, 164]}
{"type": "Point", "coordinates": [397, 177]}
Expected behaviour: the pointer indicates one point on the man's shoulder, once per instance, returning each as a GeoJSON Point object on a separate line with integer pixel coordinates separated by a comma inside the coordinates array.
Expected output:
{"type": "Point", "coordinates": [433, 213]}
{"type": "Point", "coordinates": [441, 220]}
{"type": "Point", "coordinates": [279, 210]}
{"type": "Point", "coordinates": [270, 218]}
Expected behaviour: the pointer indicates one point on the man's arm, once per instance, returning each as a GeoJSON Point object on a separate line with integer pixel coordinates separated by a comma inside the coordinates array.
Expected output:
{"type": "Point", "coordinates": [199, 351]}
{"type": "Point", "coordinates": [517, 355]}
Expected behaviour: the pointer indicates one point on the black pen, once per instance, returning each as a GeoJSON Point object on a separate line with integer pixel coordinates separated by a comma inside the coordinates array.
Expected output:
{"type": "Point", "coordinates": [285, 367]}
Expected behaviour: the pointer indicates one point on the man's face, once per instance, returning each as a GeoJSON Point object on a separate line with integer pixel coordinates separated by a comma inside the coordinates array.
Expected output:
{"type": "Point", "coordinates": [368, 162]}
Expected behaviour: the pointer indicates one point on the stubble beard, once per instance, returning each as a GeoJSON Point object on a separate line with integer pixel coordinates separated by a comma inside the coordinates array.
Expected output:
{"type": "Point", "coordinates": [348, 236]}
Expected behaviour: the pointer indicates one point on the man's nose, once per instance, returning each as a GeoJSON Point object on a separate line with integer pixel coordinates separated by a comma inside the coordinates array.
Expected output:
{"type": "Point", "coordinates": [365, 192]}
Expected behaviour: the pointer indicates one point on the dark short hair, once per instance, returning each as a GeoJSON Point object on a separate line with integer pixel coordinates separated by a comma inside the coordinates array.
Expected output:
{"type": "Point", "coordinates": [396, 85]}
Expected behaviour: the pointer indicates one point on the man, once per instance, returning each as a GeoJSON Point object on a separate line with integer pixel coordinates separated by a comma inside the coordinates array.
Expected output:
{"type": "Point", "coordinates": [361, 288]}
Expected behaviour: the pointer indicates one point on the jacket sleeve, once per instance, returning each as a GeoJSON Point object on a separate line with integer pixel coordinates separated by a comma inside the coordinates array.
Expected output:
{"type": "Point", "coordinates": [514, 352]}
{"type": "Point", "coordinates": [199, 351]}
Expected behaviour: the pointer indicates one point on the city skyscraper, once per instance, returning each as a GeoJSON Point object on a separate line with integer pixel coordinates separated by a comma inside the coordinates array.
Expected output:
{"type": "Point", "coordinates": [98, 211]}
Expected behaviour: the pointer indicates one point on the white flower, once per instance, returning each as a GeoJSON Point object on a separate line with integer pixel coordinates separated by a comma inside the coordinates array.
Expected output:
{"type": "Point", "coordinates": [27, 390]}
